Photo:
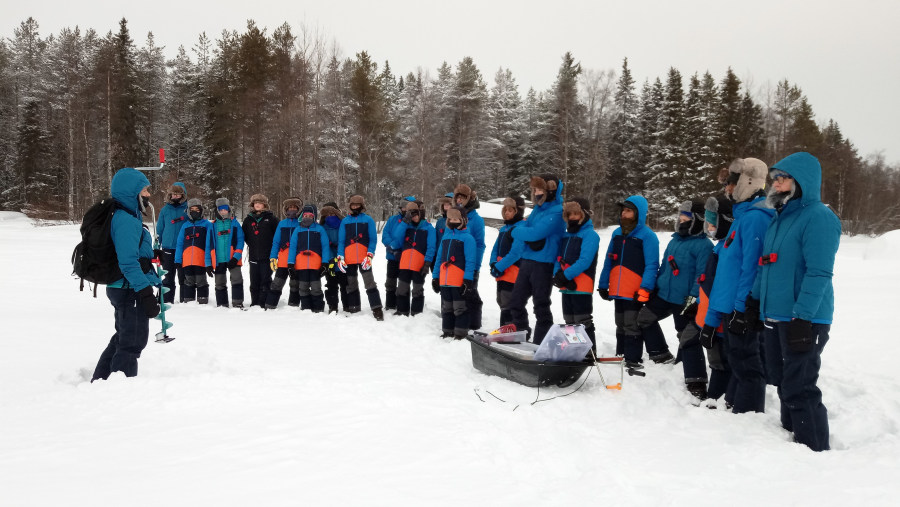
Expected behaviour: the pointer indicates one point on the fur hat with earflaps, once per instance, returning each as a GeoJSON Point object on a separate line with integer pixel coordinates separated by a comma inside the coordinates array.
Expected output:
{"type": "Point", "coordinates": [195, 202]}
{"type": "Point", "coordinates": [718, 213]}
{"type": "Point", "coordinates": [578, 205]}
{"type": "Point", "coordinates": [259, 198]}
{"type": "Point", "coordinates": [357, 199]}
{"type": "Point", "coordinates": [516, 203]}
{"type": "Point", "coordinates": [752, 177]}
{"type": "Point", "coordinates": [292, 202]}
{"type": "Point", "coordinates": [458, 214]}
{"type": "Point", "coordinates": [695, 212]}
{"type": "Point", "coordinates": [466, 192]}
{"type": "Point", "coordinates": [176, 188]}
{"type": "Point", "coordinates": [548, 184]}
{"type": "Point", "coordinates": [330, 209]}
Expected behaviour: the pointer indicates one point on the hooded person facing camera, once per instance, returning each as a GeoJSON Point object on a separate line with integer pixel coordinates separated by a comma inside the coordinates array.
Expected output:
{"type": "Point", "coordinates": [540, 234]}
{"type": "Point", "coordinates": [171, 217]}
{"type": "Point", "coordinates": [132, 296]}
{"type": "Point", "coordinates": [677, 291]}
{"type": "Point", "coordinates": [357, 241]}
{"type": "Point", "coordinates": [193, 253]}
{"type": "Point", "coordinates": [576, 265]}
{"type": "Point", "coordinates": [628, 278]}
{"type": "Point", "coordinates": [259, 231]}
{"type": "Point", "coordinates": [278, 256]}
{"type": "Point", "coordinates": [735, 273]}
{"type": "Point", "coordinates": [454, 274]}
{"type": "Point", "coordinates": [504, 259]}
{"type": "Point", "coordinates": [796, 296]}
{"type": "Point", "coordinates": [229, 247]}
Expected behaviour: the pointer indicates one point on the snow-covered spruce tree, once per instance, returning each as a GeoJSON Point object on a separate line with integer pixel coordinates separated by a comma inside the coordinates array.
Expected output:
{"type": "Point", "coordinates": [597, 92]}
{"type": "Point", "coordinates": [566, 123]}
{"type": "Point", "coordinates": [468, 150]}
{"type": "Point", "coordinates": [505, 125]}
{"type": "Point", "coordinates": [702, 136]}
{"type": "Point", "coordinates": [625, 154]}
{"type": "Point", "coordinates": [337, 138]}
{"type": "Point", "coordinates": [651, 180]}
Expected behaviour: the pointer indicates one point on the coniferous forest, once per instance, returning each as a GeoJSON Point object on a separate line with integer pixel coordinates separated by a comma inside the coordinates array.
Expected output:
{"type": "Point", "coordinates": [279, 112]}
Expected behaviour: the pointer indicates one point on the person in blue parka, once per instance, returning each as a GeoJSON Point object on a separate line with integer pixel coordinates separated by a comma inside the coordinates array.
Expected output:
{"type": "Point", "coordinates": [132, 296]}
{"type": "Point", "coordinates": [168, 226]}
{"type": "Point", "coordinates": [629, 274]}
{"type": "Point", "coordinates": [228, 249]}
{"type": "Point", "coordinates": [307, 257]}
{"type": "Point", "coordinates": [444, 203]}
{"type": "Point", "coordinates": [504, 259]}
{"type": "Point", "coordinates": [392, 270]}
{"type": "Point", "coordinates": [454, 274]}
{"type": "Point", "coordinates": [576, 266]}
{"type": "Point", "coordinates": [357, 241]}
{"type": "Point", "coordinates": [795, 294]}
{"type": "Point", "coordinates": [278, 256]}
{"type": "Point", "coordinates": [677, 291]}
{"type": "Point", "coordinates": [330, 217]}
{"type": "Point", "coordinates": [464, 196]}
{"type": "Point", "coordinates": [541, 234]}
{"type": "Point", "coordinates": [735, 273]}
{"type": "Point", "coordinates": [193, 252]}
{"type": "Point", "coordinates": [414, 240]}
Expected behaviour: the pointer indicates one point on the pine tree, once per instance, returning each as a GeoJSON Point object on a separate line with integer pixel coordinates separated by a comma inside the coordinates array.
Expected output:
{"type": "Point", "coordinates": [505, 113]}
{"type": "Point", "coordinates": [124, 146]}
{"type": "Point", "coordinates": [566, 118]}
{"type": "Point", "coordinates": [624, 148]}
{"type": "Point", "coordinates": [729, 118]}
{"type": "Point", "coordinates": [32, 153]}
{"type": "Point", "coordinates": [701, 110]}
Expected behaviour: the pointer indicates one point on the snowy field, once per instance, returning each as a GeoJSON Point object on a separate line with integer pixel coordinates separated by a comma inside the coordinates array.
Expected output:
{"type": "Point", "coordinates": [290, 408]}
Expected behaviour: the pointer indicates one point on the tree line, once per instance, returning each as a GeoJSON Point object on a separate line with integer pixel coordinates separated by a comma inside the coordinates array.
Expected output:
{"type": "Point", "coordinates": [283, 113]}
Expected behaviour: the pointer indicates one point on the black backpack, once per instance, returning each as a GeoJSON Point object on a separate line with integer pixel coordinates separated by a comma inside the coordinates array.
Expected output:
{"type": "Point", "coordinates": [94, 259]}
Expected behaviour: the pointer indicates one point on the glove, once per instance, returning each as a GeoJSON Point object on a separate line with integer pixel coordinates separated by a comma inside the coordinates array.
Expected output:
{"type": "Point", "coordinates": [737, 323]}
{"type": "Point", "coordinates": [291, 268]}
{"type": "Point", "coordinates": [751, 314]}
{"type": "Point", "coordinates": [604, 294]}
{"type": "Point", "coordinates": [425, 269]}
{"type": "Point", "coordinates": [395, 252]}
{"type": "Point", "coordinates": [706, 336]}
{"type": "Point", "coordinates": [466, 286]}
{"type": "Point", "coordinates": [273, 264]}
{"type": "Point", "coordinates": [330, 269]}
{"type": "Point", "coordinates": [210, 271]}
{"type": "Point", "coordinates": [323, 270]}
{"type": "Point", "coordinates": [496, 273]}
{"type": "Point", "coordinates": [800, 336]}
{"type": "Point", "coordinates": [436, 285]}
{"type": "Point", "coordinates": [559, 279]}
{"type": "Point", "coordinates": [341, 265]}
{"type": "Point", "coordinates": [149, 302]}
{"type": "Point", "coordinates": [232, 263]}
{"type": "Point", "coordinates": [157, 253]}
{"type": "Point", "coordinates": [366, 263]}
{"type": "Point", "coordinates": [690, 310]}
{"type": "Point", "coordinates": [642, 296]}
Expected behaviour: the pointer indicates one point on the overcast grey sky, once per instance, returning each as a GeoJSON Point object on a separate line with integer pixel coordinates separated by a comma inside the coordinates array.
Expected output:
{"type": "Point", "coordinates": [844, 55]}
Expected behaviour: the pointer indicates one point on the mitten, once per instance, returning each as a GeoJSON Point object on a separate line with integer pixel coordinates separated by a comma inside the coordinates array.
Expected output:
{"type": "Point", "coordinates": [149, 302]}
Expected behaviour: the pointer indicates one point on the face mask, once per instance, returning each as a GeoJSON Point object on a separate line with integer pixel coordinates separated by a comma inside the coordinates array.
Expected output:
{"type": "Point", "coordinates": [355, 211]}
{"type": "Point", "coordinates": [684, 228]}
{"type": "Point", "coordinates": [145, 202]}
{"type": "Point", "coordinates": [196, 215]}
{"type": "Point", "coordinates": [175, 201]}
{"type": "Point", "coordinates": [291, 213]}
{"type": "Point", "coordinates": [333, 221]}
{"type": "Point", "coordinates": [454, 225]}
{"type": "Point", "coordinates": [573, 225]}
{"type": "Point", "coordinates": [307, 220]}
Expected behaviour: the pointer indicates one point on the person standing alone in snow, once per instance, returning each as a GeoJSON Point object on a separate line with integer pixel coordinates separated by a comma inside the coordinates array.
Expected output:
{"type": "Point", "coordinates": [132, 296]}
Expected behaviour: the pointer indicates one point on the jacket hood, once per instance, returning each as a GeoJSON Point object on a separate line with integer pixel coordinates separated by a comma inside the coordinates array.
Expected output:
{"type": "Point", "coordinates": [556, 200]}
{"type": "Point", "coordinates": [640, 203]}
{"type": "Point", "coordinates": [807, 172]}
{"type": "Point", "coordinates": [126, 186]}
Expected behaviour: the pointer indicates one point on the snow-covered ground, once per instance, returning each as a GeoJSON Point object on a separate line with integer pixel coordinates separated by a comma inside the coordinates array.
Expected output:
{"type": "Point", "coordinates": [290, 408]}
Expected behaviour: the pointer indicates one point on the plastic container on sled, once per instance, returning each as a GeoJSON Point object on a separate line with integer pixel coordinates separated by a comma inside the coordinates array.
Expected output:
{"type": "Point", "coordinates": [495, 361]}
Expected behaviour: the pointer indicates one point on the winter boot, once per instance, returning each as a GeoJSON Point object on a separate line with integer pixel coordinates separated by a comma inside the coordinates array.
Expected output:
{"type": "Point", "coordinates": [698, 389]}
{"type": "Point", "coordinates": [222, 298]}
{"type": "Point", "coordinates": [418, 305]}
{"type": "Point", "coordinates": [294, 299]}
{"type": "Point", "coordinates": [390, 300]}
{"type": "Point", "coordinates": [663, 358]}
{"type": "Point", "coordinates": [446, 334]}
{"type": "Point", "coordinates": [203, 300]}
{"type": "Point", "coordinates": [332, 309]}
{"type": "Point", "coordinates": [379, 315]}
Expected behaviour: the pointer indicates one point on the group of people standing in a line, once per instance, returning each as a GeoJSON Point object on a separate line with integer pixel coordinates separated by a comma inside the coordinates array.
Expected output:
{"type": "Point", "coordinates": [759, 302]}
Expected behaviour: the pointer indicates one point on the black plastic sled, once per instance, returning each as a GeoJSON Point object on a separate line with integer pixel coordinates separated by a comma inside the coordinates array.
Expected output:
{"type": "Point", "coordinates": [492, 361]}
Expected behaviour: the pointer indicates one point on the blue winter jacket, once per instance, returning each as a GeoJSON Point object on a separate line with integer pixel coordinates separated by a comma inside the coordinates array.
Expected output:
{"type": "Point", "coordinates": [168, 225]}
{"type": "Point", "coordinates": [578, 257]}
{"type": "Point", "coordinates": [281, 242]}
{"type": "Point", "coordinates": [440, 226]}
{"type": "Point", "coordinates": [457, 250]}
{"type": "Point", "coordinates": [387, 234]}
{"type": "Point", "coordinates": [544, 224]}
{"type": "Point", "coordinates": [632, 261]}
{"type": "Point", "coordinates": [420, 237]}
{"type": "Point", "coordinates": [682, 263]}
{"type": "Point", "coordinates": [132, 240]}
{"type": "Point", "coordinates": [794, 281]}
{"type": "Point", "coordinates": [359, 232]}
{"type": "Point", "coordinates": [739, 259]}
{"type": "Point", "coordinates": [508, 249]}
{"type": "Point", "coordinates": [312, 239]}
{"type": "Point", "coordinates": [229, 240]}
